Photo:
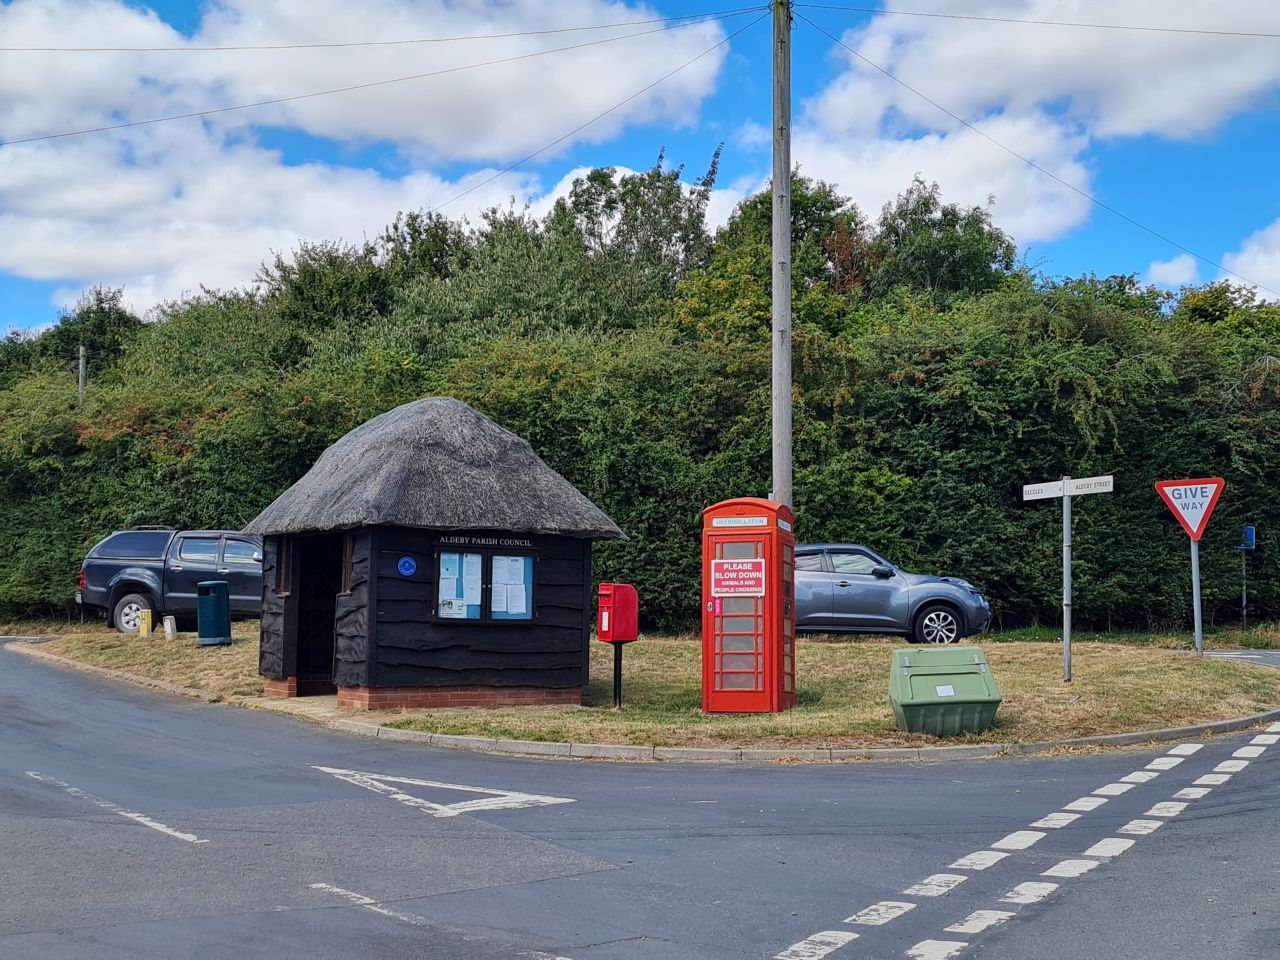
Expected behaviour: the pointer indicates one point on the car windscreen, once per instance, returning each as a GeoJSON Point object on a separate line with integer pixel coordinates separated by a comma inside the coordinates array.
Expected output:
{"type": "Point", "coordinates": [134, 545]}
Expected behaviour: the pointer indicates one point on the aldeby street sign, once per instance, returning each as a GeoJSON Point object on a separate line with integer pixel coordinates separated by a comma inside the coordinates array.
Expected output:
{"type": "Point", "coordinates": [1066, 488]}
{"type": "Point", "coordinates": [1075, 488]}
{"type": "Point", "coordinates": [1192, 501]}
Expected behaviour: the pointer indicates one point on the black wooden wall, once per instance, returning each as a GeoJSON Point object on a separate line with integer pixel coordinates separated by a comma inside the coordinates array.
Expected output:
{"type": "Point", "coordinates": [351, 618]}
{"type": "Point", "coordinates": [411, 649]}
{"type": "Point", "coordinates": [275, 659]}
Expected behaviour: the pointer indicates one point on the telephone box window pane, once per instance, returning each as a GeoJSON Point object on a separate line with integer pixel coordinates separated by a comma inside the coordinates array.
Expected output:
{"type": "Point", "coordinates": [739, 625]}
{"type": "Point", "coordinates": [740, 550]}
{"type": "Point", "coordinates": [738, 644]}
{"type": "Point", "coordinates": [458, 586]}
{"type": "Point", "coordinates": [738, 605]}
{"type": "Point", "coordinates": [738, 681]}
{"type": "Point", "coordinates": [738, 661]}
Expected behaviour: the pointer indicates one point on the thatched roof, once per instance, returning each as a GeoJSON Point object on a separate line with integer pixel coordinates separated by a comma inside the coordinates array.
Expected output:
{"type": "Point", "coordinates": [439, 465]}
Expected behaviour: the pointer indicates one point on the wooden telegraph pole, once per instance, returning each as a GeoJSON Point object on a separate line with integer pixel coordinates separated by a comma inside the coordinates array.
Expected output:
{"type": "Point", "coordinates": [782, 252]}
{"type": "Point", "coordinates": [82, 370]}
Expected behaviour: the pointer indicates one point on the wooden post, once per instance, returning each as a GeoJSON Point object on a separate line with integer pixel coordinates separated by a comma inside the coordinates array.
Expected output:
{"type": "Point", "coordinates": [782, 252]}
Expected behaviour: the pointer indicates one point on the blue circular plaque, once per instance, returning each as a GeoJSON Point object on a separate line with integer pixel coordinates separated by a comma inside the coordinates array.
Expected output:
{"type": "Point", "coordinates": [407, 566]}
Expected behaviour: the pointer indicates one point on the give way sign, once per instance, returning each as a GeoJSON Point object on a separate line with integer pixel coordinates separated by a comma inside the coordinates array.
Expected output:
{"type": "Point", "coordinates": [1192, 501]}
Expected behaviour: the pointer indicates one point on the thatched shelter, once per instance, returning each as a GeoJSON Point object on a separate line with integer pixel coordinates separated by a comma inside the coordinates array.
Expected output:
{"type": "Point", "coordinates": [429, 557]}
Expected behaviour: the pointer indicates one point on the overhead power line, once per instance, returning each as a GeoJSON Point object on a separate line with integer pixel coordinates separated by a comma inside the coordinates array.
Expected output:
{"type": "Point", "coordinates": [357, 86]}
{"type": "Point", "coordinates": [191, 48]}
{"type": "Point", "coordinates": [1041, 23]}
{"type": "Point", "coordinates": [1035, 166]}
{"type": "Point", "coordinates": [600, 116]}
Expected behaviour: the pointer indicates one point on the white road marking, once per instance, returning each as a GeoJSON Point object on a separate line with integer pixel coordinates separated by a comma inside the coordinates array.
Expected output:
{"type": "Point", "coordinates": [369, 903]}
{"type": "Point", "coordinates": [881, 913]}
{"type": "Point", "coordinates": [936, 885]}
{"type": "Point", "coordinates": [1274, 728]}
{"type": "Point", "coordinates": [1025, 893]}
{"type": "Point", "coordinates": [1250, 752]}
{"type": "Point", "coordinates": [1166, 809]}
{"type": "Point", "coordinates": [1192, 793]}
{"type": "Point", "coordinates": [935, 949]}
{"type": "Point", "coordinates": [1113, 789]}
{"type": "Point", "coordinates": [979, 860]}
{"type": "Point", "coordinates": [1140, 776]}
{"type": "Point", "coordinates": [1086, 804]}
{"type": "Point", "coordinates": [1055, 821]}
{"type": "Point", "coordinates": [492, 799]}
{"type": "Point", "coordinates": [1231, 766]}
{"type": "Point", "coordinates": [1186, 749]}
{"type": "Point", "coordinates": [1140, 828]}
{"type": "Point", "coordinates": [116, 808]}
{"type": "Point", "coordinates": [1213, 780]}
{"type": "Point", "coordinates": [1266, 739]}
{"type": "Point", "coordinates": [1164, 763]}
{"type": "Point", "coordinates": [1019, 840]}
{"type": "Point", "coordinates": [1110, 847]}
{"type": "Point", "coordinates": [817, 946]}
{"type": "Point", "coordinates": [1070, 868]}
{"type": "Point", "coordinates": [979, 920]}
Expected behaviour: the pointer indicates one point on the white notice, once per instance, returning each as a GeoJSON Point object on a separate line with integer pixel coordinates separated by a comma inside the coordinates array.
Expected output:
{"type": "Point", "coordinates": [946, 690]}
{"type": "Point", "coordinates": [448, 588]}
{"type": "Point", "coordinates": [453, 609]}
{"type": "Point", "coordinates": [498, 602]}
{"type": "Point", "coordinates": [517, 603]}
{"type": "Point", "coordinates": [508, 569]}
{"type": "Point", "coordinates": [471, 572]}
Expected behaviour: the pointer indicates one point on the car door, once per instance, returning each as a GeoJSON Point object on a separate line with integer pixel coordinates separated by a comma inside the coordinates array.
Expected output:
{"type": "Point", "coordinates": [242, 569]}
{"type": "Point", "coordinates": [813, 591]}
{"type": "Point", "coordinates": [861, 600]}
{"type": "Point", "coordinates": [191, 559]}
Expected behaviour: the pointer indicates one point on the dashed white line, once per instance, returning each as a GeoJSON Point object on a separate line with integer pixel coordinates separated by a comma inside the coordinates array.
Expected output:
{"type": "Point", "coordinates": [360, 900]}
{"type": "Point", "coordinates": [1192, 793]}
{"type": "Point", "coordinates": [1140, 828]}
{"type": "Point", "coordinates": [1251, 753]}
{"type": "Point", "coordinates": [1070, 868]}
{"type": "Point", "coordinates": [1027, 893]}
{"type": "Point", "coordinates": [817, 946]}
{"type": "Point", "coordinates": [979, 860]}
{"type": "Point", "coordinates": [1110, 847]}
{"type": "Point", "coordinates": [1113, 789]}
{"type": "Point", "coordinates": [1086, 804]}
{"type": "Point", "coordinates": [1186, 749]}
{"type": "Point", "coordinates": [1164, 763]}
{"type": "Point", "coordinates": [1274, 728]}
{"type": "Point", "coordinates": [117, 809]}
{"type": "Point", "coordinates": [1166, 809]}
{"type": "Point", "coordinates": [881, 913]}
{"type": "Point", "coordinates": [936, 885]}
{"type": "Point", "coordinates": [1019, 840]}
{"type": "Point", "coordinates": [1231, 766]}
{"type": "Point", "coordinates": [1212, 780]}
{"type": "Point", "coordinates": [979, 920]}
{"type": "Point", "coordinates": [1055, 821]}
{"type": "Point", "coordinates": [1266, 739]}
{"type": "Point", "coordinates": [935, 949]}
{"type": "Point", "coordinates": [1140, 776]}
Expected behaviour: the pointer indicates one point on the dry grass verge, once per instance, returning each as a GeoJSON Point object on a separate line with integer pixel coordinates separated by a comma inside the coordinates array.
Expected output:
{"type": "Point", "coordinates": [843, 697]}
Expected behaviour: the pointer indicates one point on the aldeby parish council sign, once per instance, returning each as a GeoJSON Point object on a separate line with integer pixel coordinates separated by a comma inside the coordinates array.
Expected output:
{"type": "Point", "coordinates": [1192, 503]}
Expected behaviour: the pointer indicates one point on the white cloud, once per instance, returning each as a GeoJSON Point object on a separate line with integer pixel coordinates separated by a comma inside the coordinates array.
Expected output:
{"type": "Point", "coordinates": [1258, 259]}
{"type": "Point", "coordinates": [1171, 274]}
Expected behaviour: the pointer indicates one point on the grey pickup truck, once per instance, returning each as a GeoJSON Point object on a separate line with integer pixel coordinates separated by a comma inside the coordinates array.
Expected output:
{"type": "Point", "coordinates": [157, 569]}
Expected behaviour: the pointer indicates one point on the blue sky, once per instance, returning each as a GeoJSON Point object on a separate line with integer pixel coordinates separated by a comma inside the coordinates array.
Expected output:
{"type": "Point", "coordinates": [1176, 129]}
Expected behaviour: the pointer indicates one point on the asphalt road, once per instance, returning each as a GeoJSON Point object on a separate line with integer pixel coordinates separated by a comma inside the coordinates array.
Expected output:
{"type": "Point", "coordinates": [135, 825]}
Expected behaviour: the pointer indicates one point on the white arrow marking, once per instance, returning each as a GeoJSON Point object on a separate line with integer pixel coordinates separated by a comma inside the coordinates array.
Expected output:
{"type": "Point", "coordinates": [117, 809]}
{"type": "Point", "coordinates": [492, 799]}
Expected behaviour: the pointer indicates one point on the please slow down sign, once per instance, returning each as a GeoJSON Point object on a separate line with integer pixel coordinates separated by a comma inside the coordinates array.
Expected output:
{"type": "Point", "coordinates": [737, 578]}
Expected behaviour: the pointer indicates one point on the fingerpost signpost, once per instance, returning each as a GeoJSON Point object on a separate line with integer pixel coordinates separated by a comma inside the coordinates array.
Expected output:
{"type": "Point", "coordinates": [1192, 503]}
{"type": "Point", "coordinates": [1066, 488]}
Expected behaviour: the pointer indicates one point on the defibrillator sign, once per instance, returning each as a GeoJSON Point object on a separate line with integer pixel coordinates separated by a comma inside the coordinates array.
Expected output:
{"type": "Point", "coordinates": [737, 578]}
{"type": "Point", "coordinates": [1192, 501]}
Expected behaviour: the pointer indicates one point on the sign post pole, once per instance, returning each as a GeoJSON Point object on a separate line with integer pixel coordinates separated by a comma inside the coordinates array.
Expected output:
{"type": "Point", "coordinates": [1195, 594]}
{"type": "Point", "coordinates": [1066, 580]}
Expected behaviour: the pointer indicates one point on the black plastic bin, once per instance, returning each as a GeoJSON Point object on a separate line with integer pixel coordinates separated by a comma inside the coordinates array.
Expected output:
{"type": "Point", "coordinates": [213, 613]}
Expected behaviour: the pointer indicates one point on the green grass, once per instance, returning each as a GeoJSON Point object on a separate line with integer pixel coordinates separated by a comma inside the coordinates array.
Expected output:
{"type": "Point", "coordinates": [1264, 636]}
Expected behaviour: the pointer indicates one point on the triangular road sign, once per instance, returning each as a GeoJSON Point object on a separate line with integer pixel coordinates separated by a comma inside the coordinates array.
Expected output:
{"type": "Point", "coordinates": [488, 799]}
{"type": "Point", "coordinates": [1192, 501]}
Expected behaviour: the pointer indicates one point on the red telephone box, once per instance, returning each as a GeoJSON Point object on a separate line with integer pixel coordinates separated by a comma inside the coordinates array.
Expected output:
{"type": "Point", "coordinates": [748, 607]}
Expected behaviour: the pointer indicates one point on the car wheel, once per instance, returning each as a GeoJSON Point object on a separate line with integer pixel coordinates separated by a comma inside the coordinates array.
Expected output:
{"type": "Point", "coordinates": [937, 624]}
{"type": "Point", "coordinates": [127, 615]}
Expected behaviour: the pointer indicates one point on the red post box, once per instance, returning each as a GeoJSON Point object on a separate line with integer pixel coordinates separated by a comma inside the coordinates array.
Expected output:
{"type": "Point", "coordinates": [748, 607]}
{"type": "Point", "coordinates": [619, 613]}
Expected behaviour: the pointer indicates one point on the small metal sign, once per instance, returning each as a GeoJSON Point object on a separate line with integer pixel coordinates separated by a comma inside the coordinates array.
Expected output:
{"type": "Point", "coordinates": [739, 521]}
{"type": "Point", "coordinates": [1075, 488]}
{"type": "Point", "coordinates": [407, 566]}
{"type": "Point", "coordinates": [737, 578]}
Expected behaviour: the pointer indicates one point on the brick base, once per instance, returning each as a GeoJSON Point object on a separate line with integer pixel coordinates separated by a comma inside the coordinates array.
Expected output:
{"type": "Point", "coordinates": [288, 687]}
{"type": "Point", "coordinates": [395, 698]}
